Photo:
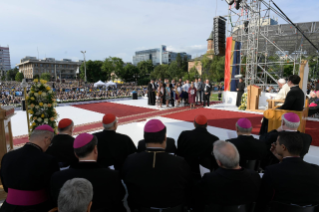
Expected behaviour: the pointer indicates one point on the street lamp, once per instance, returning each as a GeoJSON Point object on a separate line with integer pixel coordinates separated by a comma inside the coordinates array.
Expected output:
{"type": "Point", "coordinates": [83, 52]}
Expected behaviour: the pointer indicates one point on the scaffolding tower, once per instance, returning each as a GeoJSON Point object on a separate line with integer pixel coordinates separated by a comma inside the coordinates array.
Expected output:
{"type": "Point", "coordinates": [261, 39]}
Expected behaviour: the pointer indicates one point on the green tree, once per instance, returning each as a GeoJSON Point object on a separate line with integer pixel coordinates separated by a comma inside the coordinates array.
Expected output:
{"type": "Point", "coordinates": [129, 73]}
{"type": "Point", "coordinates": [185, 64]}
{"type": "Point", "coordinates": [112, 65]}
{"type": "Point", "coordinates": [11, 74]}
{"type": "Point", "coordinates": [19, 77]}
{"type": "Point", "coordinates": [175, 71]}
{"type": "Point", "coordinates": [160, 71]}
{"type": "Point", "coordinates": [145, 67]}
{"type": "Point", "coordinates": [93, 71]}
{"type": "Point", "coordinates": [213, 68]}
{"type": "Point", "coordinates": [46, 76]}
{"type": "Point", "coordinates": [191, 75]}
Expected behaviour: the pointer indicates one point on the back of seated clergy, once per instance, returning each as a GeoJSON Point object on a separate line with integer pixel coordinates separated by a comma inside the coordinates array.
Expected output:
{"type": "Point", "coordinates": [170, 146]}
{"type": "Point", "coordinates": [154, 178]}
{"type": "Point", "coordinates": [292, 181]}
{"type": "Point", "coordinates": [248, 147]}
{"type": "Point", "coordinates": [230, 184]}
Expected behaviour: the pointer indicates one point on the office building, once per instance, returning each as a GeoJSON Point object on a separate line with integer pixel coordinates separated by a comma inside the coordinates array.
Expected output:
{"type": "Point", "coordinates": [65, 69]}
{"type": "Point", "coordinates": [5, 64]}
{"type": "Point", "coordinates": [158, 56]}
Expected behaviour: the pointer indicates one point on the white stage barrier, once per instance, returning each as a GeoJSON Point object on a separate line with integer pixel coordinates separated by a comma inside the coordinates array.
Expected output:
{"type": "Point", "coordinates": [229, 97]}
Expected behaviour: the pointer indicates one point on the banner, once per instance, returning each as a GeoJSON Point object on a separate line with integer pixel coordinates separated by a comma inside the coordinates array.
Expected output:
{"type": "Point", "coordinates": [232, 57]}
{"type": "Point", "coordinates": [227, 75]}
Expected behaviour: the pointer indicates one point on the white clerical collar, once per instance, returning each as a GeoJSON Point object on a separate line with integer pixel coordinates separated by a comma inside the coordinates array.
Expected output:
{"type": "Point", "coordinates": [291, 130]}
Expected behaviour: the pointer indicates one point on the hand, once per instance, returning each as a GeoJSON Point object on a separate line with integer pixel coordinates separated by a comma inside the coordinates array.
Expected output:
{"type": "Point", "coordinates": [274, 152]}
{"type": "Point", "coordinates": [280, 129]}
{"type": "Point", "coordinates": [237, 89]}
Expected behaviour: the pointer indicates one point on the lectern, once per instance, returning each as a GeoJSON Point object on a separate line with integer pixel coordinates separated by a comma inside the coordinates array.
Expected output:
{"type": "Point", "coordinates": [253, 97]}
{"type": "Point", "coordinates": [6, 140]}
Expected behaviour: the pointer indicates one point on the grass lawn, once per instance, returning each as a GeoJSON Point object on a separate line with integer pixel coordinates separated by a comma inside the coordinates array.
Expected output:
{"type": "Point", "coordinates": [214, 97]}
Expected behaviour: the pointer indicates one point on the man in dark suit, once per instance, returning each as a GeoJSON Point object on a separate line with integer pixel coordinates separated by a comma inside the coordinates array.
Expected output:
{"type": "Point", "coordinates": [207, 90]}
{"type": "Point", "coordinates": [196, 146]}
{"type": "Point", "coordinates": [240, 91]}
{"type": "Point", "coordinates": [26, 173]}
{"type": "Point", "coordinates": [289, 123]}
{"type": "Point", "coordinates": [172, 87]}
{"type": "Point", "coordinates": [113, 147]}
{"type": "Point", "coordinates": [62, 144]}
{"type": "Point", "coordinates": [230, 184]}
{"type": "Point", "coordinates": [107, 186]}
{"type": "Point", "coordinates": [292, 181]}
{"type": "Point", "coordinates": [295, 98]}
{"type": "Point", "coordinates": [151, 93]}
{"type": "Point", "coordinates": [154, 178]}
{"type": "Point", "coordinates": [170, 146]}
{"type": "Point", "coordinates": [248, 147]}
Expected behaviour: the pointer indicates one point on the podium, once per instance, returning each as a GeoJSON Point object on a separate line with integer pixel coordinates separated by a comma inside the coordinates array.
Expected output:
{"type": "Point", "coordinates": [253, 92]}
{"type": "Point", "coordinates": [6, 140]}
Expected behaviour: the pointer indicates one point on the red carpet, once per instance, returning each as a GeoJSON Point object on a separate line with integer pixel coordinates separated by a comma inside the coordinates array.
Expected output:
{"type": "Point", "coordinates": [228, 119]}
{"type": "Point", "coordinates": [118, 110]}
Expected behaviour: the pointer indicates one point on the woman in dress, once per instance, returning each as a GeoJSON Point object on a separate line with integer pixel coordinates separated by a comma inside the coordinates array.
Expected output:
{"type": "Point", "coordinates": [191, 95]}
{"type": "Point", "coordinates": [159, 96]}
{"type": "Point", "coordinates": [178, 92]}
{"type": "Point", "coordinates": [167, 94]}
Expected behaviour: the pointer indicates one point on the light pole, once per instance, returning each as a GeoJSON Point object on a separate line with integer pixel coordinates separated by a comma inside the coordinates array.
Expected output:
{"type": "Point", "coordinates": [55, 71]}
{"type": "Point", "coordinates": [83, 52]}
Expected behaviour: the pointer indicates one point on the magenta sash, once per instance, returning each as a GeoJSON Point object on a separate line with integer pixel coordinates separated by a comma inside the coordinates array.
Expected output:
{"type": "Point", "coordinates": [26, 198]}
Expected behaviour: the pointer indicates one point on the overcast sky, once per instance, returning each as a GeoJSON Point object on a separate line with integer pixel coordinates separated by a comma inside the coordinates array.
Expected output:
{"type": "Point", "coordinates": [62, 28]}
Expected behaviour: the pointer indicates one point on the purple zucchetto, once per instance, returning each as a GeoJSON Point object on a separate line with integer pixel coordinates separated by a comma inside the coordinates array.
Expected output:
{"type": "Point", "coordinates": [244, 123]}
{"type": "Point", "coordinates": [154, 131]}
{"type": "Point", "coordinates": [44, 127]}
{"type": "Point", "coordinates": [153, 126]}
{"type": "Point", "coordinates": [292, 117]}
{"type": "Point", "coordinates": [82, 139]}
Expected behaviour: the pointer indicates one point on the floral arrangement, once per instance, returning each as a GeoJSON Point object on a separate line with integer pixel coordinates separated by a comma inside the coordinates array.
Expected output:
{"type": "Point", "coordinates": [243, 102]}
{"type": "Point", "coordinates": [41, 103]}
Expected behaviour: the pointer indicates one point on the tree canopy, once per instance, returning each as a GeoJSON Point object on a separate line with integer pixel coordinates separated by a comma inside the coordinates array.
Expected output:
{"type": "Point", "coordinates": [93, 71]}
{"type": "Point", "coordinates": [46, 76]}
{"type": "Point", "coordinates": [19, 77]}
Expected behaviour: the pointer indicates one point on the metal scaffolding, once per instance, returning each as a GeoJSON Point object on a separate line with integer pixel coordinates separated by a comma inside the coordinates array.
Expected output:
{"type": "Point", "coordinates": [261, 40]}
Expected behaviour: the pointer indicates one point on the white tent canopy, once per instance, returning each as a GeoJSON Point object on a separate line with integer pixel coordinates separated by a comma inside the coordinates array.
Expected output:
{"type": "Point", "coordinates": [110, 83]}
{"type": "Point", "coordinates": [100, 83]}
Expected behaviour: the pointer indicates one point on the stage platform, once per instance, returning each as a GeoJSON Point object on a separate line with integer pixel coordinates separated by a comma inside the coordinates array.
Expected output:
{"type": "Point", "coordinates": [133, 115]}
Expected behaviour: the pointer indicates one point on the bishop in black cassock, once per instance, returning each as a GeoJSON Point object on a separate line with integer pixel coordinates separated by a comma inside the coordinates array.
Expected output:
{"type": "Point", "coordinates": [154, 178]}
{"type": "Point", "coordinates": [107, 187]}
{"type": "Point", "coordinates": [26, 173]}
{"type": "Point", "coordinates": [151, 93]}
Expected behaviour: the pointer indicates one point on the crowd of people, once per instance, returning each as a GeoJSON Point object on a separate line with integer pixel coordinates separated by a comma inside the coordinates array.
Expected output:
{"type": "Point", "coordinates": [104, 170]}
{"type": "Point", "coordinates": [11, 93]}
{"type": "Point", "coordinates": [181, 92]}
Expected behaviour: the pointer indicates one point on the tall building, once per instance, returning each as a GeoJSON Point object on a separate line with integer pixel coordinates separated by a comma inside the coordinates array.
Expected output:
{"type": "Point", "coordinates": [5, 64]}
{"type": "Point", "coordinates": [196, 62]}
{"type": "Point", "coordinates": [65, 69]}
{"type": "Point", "coordinates": [158, 56]}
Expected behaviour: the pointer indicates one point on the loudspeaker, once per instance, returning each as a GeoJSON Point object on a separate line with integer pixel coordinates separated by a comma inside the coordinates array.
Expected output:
{"type": "Point", "coordinates": [219, 36]}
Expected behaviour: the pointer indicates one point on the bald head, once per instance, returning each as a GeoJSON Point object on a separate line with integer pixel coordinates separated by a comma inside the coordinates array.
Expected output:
{"type": "Point", "coordinates": [226, 155]}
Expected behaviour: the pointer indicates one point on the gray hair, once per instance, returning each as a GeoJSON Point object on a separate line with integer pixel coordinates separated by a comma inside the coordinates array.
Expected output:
{"type": "Point", "coordinates": [110, 125]}
{"type": "Point", "coordinates": [243, 130]}
{"type": "Point", "coordinates": [75, 195]}
{"type": "Point", "coordinates": [36, 134]}
{"type": "Point", "coordinates": [290, 125]}
{"type": "Point", "coordinates": [229, 158]}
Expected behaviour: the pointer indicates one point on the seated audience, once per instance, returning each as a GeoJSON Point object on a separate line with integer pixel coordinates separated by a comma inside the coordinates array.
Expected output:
{"type": "Point", "coordinates": [113, 147]}
{"type": "Point", "coordinates": [26, 173]}
{"type": "Point", "coordinates": [108, 190]}
{"type": "Point", "coordinates": [62, 144]}
{"type": "Point", "coordinates": [195, 146]}
{"type": "Point", "coordinates": [170, 146]}
{"type": "Point", "coordinates": [293, 181]}
{"type": "Point", "coordinates": [76, 196]}
{"type": "Point", "coordinates": [289, 123]}
{"type": "Point", "coordinates": [154, 178]}
{"type": "Point", "coordinates": [230, 184]}
{"type": "Point", "coordinates": [248, 147]}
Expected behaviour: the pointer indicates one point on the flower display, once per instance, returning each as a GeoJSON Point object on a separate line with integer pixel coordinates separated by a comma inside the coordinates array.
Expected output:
{"type": "Point", "coordinates": [41, 100]}
{"type": "Point", "coordinates": [243, 102]}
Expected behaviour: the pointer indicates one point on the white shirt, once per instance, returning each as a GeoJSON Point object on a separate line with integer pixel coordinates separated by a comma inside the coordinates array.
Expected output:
{"type": "Point", "coordinates": [186, 87]}
{"type": "Point", "coordinates": [281, 95]}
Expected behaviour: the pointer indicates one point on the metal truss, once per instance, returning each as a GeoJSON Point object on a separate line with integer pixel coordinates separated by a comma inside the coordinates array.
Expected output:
{"type": "Point", "coordinates": [260, 40]}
